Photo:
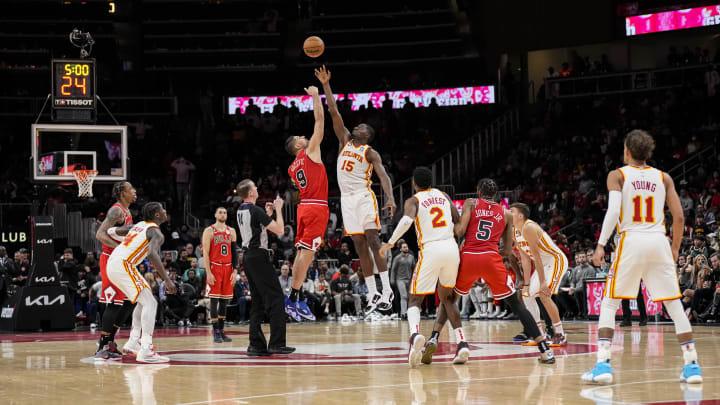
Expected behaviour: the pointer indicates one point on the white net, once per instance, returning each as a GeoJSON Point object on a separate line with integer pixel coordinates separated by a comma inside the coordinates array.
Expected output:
{"type": "Point", "coordinates": [85, 180]}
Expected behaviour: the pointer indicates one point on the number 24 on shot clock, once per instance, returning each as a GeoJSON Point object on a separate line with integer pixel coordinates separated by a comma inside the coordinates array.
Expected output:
{"type": "Point", "coordinates": [73, 83]}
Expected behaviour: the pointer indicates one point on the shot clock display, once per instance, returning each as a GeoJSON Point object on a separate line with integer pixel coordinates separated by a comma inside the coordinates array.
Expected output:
{"type": "Point", "coordinates": [73, 83]}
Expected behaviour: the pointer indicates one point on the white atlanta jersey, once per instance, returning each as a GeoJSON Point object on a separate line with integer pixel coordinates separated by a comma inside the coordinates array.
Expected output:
{"type": "Point", "coordinates": [134, 248]}
{"type": "Point", "coordinates": [643, 200]}
{"type": "Point", "coordinates": [353, 169]}
{"type": "Point", "coordinates": [433, 221]}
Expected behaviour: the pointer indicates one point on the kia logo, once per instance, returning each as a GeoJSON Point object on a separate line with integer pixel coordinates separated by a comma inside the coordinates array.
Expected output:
{"type": "Point", "coordinates": [44, 301]}
{"type": "Point", "coordinates": [44, 241]}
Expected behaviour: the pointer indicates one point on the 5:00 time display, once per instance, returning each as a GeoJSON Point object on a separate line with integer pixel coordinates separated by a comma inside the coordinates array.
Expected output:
{"type": "Point", "coordinates": [68, 81]}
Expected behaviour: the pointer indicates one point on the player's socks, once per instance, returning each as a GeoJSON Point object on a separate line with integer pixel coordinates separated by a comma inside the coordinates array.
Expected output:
{"type": "Point", "coordinates": [385, 279]}
{"type": "Point", "coordinates": [689, 353]}
{"type": "Point", "coordinates": [413, 315]}
{"type": "Point", "coordinates": [558, 328]}
{"type": "Point", "coordinates": [459, 335]}
{"type": "Point", "coordinates": [372, 287]}
{"type": "Point", "coordinates": [603, 353]}
{"type": "Point", "coordinates": [104, 340]}
{"type": "Point", "coordinates": [543, 346]}
{"type": "Point", "coordinates": [215, 325]}
{"type": "Point", "coordinates": [435, 336]}
{"type": "Point", "coordinates": [294, 295]}
{"type": "Point", "coordinates": [221, 324]}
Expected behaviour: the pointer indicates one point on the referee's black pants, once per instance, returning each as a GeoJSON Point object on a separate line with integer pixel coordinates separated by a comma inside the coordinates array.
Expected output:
{"type": "Point", "coordinates": [267, 298]}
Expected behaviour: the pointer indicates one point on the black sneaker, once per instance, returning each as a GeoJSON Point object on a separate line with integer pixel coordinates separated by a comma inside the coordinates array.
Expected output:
{"type": "Point", "coordinates": [258, 352]}
{"type": "Point", "coordinates": [643, 322]}
{"type": "Point", "coordinates": [217, 338]}
{"type": "Point", "coordinates": [224, 337]}
{"type": "Point", "coordinates": [521, 337]}
{"type": "Point", "coordinates": [625, 323]}
{"type": "Point", "coordinates": [107, 354]}
{"type": "Point", "coordinates": [281, 350]}
{"type": "Point", "coordinates": [463, 353]}
{"type": "Point", "coordinates": [112, 347]}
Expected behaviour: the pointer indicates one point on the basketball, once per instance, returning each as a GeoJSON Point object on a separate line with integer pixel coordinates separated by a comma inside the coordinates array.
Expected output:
{"type": "Point", "coordinates": [313, 46]}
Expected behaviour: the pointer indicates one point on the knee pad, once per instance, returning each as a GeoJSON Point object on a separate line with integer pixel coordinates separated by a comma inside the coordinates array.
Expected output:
{"type": "Point", "coordinates": [608, 308]}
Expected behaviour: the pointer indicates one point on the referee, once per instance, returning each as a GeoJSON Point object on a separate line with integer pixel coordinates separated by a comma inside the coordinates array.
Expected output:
{"type": "Point", "coordinates": [265, 288]}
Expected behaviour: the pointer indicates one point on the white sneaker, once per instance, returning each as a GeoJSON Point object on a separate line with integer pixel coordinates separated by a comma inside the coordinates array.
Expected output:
{"type": "Point", "coordinates": [476, 315]}
{"type": "Point", "coordinates": [131, 347]}
{"type": "Point", "coordinates": [502, 315]}
{"type": "Point", "coordinates": [147, 355]}
{"type": "Point", "coordinates": [417, 342]}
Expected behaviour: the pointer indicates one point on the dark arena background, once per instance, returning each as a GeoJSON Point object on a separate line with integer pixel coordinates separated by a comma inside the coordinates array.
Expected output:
{"type": "Point", "coordinates": [107, 106]}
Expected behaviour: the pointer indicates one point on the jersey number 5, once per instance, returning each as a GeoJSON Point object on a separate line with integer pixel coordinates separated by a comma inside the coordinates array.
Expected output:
{"type": "Point", "coordinates": [484, 230]}
{"type": "Point", "coordinates": [438, 221]}
{"type": "Point", "coordinates": [637, 214]}
{"type": "Point", "coordinates": [301, 179]}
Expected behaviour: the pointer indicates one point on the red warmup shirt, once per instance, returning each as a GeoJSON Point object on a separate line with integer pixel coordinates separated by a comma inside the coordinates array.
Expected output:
{"type": "Point", "coordinates": [486, 226]}
{"type": "Point", "coordinates": [310, 178]}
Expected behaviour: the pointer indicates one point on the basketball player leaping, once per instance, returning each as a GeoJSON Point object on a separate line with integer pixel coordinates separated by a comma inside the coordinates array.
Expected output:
{"type": "Point", "coordinates": [219, 243]}
{"type": "Point", "coordinates": [309, 175]}
{"type": "Point", "coordinates": [434, 216]}
{"type": "Point", "coordinates": [355, 165]}
{"type": "Point", "coordinates": [482, 223]}
{"type": "Point", "coordinates": [636, 203]}
{"type": "Point", "coordinates": [117, 307]}
{"type": "Point", "coordinates": [536, 247]}
{"type": "Point", "coordinates": [141, 240]}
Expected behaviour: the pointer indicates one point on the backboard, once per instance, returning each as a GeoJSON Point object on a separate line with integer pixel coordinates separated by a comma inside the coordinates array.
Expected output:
{"type": "Point", "coordinates": [58, 149]}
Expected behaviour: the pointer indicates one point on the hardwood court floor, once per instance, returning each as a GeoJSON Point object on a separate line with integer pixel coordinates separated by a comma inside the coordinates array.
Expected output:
{"type": "Point", "coordinates": [355, 363]}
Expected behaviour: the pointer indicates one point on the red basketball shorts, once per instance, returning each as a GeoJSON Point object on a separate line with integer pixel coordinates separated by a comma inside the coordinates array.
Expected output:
{"type": "Point", "coordinates": [223, 287]}
{"type": "Point", "coordinates": [109, 293]}
{"type": "Point", "coordinates": [312, 222]}
{"type": "Point", "coordinates": [487, 266]}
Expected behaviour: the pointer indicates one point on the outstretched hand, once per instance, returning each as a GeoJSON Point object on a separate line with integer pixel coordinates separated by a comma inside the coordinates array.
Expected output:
{"type": "Point", "coordinates": [385, 248]}
{"type": "Point", "coordinates": [323, 75]}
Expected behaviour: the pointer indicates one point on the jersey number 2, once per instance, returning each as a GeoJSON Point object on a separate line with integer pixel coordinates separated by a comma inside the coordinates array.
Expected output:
{"type": "Point", "coordinates": [637, 214]}
{"type": "Point", "coordinates": [301, 179]}
{"type": "Point", "coordinates": [438, 221]}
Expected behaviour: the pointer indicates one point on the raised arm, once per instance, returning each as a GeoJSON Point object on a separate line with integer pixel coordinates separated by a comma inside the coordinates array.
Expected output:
{"type": "Point", "coordinates": [341, 132]}
{"type": "Point", "coordinates": [114, 217]}
{"type": "Point", "coordinates": [156, 239]}
{"type": "Point", "coordinates": [313, 150]}
{"type": "Point", "coordinates": [276, 226]}
{"type": "Point", "coordinates": [673, 201]}
{"type": "Point", "coordinates": [467, 209]}
{"type": "Point", "coordinates": [374, 158]}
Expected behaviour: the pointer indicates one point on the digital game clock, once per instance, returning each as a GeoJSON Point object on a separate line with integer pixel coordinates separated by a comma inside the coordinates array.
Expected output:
{"type": "Point", "coordinates": [73, 84]}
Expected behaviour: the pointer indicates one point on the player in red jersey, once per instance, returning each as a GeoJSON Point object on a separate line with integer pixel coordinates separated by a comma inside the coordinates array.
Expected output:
{"type": "Point", "coordinates": [118, 308]}
{"type": "Point", "coordinates": [220, 253]}
{"type": "Point", "coordinates": [309, 175]}
{"type": "Point", "coordinates": [482, 223]}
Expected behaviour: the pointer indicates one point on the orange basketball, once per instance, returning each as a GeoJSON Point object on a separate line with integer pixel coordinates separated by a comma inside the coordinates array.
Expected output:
{"type": "Point", "coordinates": [313, 47]}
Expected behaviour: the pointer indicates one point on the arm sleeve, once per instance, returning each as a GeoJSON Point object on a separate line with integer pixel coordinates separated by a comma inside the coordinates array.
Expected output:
{"type": "Point", "coordinates": [401, 228]}
{"type": "Point", "coordinates": [611, 216]}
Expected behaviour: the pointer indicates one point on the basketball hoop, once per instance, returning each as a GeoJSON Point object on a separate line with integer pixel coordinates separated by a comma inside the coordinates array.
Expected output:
{"type": "Point", "coordinates": [85, 180]}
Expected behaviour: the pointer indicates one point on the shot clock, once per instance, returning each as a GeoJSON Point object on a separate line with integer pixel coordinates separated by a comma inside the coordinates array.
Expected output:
{"type": "Point", "coordinates": [73, 89]}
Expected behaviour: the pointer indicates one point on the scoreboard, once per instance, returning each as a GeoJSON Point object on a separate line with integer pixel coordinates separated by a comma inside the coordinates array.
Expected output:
{"type": "Point", "coordinates": [73, 89]}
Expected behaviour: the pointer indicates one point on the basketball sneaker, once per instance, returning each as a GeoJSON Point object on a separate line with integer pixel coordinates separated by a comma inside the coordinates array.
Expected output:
{"type": "Point", "coordinates": [691, 374]}
{"type": "Point", "coordinates": [372, 305]}
{"type": "Point", "coordinates": [602, 373]}
{"type": "Point", "coordinates": [386, 301]}
{"type": "Point", "coordinates": [216, 336]}
{"type": "Point", "coordinates": [131, 347]}
{"type": "Point", "coordinates": [521, 337]}
{"type": "Point", "coordinates": [547, 358]}
{"type": "Point", "coordinates": [225, 337]}
{"type": "Point", "coordinates": [304, 311]}
{"type": "Point", "coordinates": [291, 309]}
{"type": "Point", "coordinates": [416, 345]}
{"type": "Point", "coordinates": [147, 355]}
{"type": "Point", "coordinates": [430, 349]}
{"type": "Point", "coordinates": [558, 340]}
{"type": "Point", "coordinates": [463, 353]}
{"type": "Point", "coordinates": [108, 353]}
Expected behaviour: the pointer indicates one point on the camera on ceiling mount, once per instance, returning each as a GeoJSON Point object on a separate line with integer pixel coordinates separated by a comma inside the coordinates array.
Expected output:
{"type": "Point", "coordinates": [82, 40]}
